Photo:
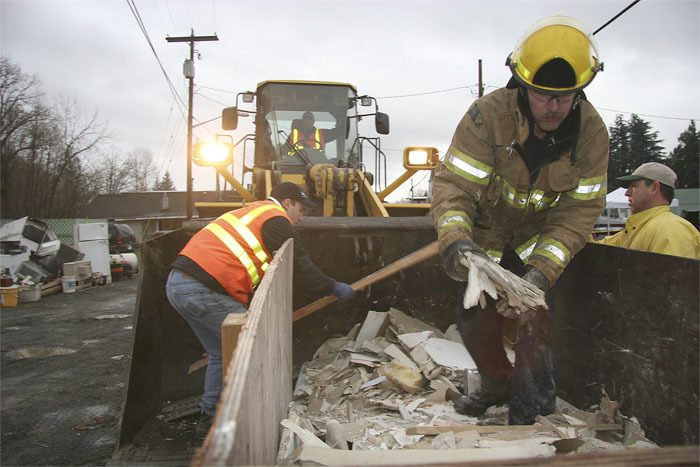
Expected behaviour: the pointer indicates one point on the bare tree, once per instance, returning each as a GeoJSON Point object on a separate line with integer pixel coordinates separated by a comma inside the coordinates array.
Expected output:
{"type": "Point", "coordinates": [42, 149]}
{"type": "Point", "coordinates": [142, 172]}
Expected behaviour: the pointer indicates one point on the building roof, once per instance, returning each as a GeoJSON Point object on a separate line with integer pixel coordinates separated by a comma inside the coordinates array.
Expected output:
{"type": "Point", "coordinates": [145, 205]}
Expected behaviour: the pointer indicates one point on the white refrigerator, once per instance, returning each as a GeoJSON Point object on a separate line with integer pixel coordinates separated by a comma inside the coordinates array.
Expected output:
{"type": "Point", "coordinates": [93, 241]}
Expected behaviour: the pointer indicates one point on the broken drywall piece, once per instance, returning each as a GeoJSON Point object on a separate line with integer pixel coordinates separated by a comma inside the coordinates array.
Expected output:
{"type": "Point", "coordinates": [373, 382]}
{"type": "Point", "coordinates": [376, 345]}
{"type": "Point", "coordinates": [307, 438]}
{"type": "Point", "coordinates": [404, 324]}
{"type": "Point", "coordinates": [332, 345]}
{"type": "Point", "coordinates": [424, 362]}
{"type": "Point", "coordinates": [413, 339]}
{"type": "Point", "coordinates": [335, 435]}
{"type": "Point", "coordinates": [449, 354]}
{"type": "Point", "coordinates": [375, 323]}
{"type": "Point", "coordinates": [364, 359]}
{"type": "Point", "coordinates": [396, 353]}
{"type": "Point", "coordinates": [452, 333]}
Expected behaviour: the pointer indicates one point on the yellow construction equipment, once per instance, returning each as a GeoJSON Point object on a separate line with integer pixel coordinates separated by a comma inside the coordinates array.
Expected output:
{"type": "Point", "coordinates": [335, 170]}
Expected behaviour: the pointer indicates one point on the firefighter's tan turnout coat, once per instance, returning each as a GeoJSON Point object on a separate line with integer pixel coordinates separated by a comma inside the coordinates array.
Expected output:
{"type": "Point", "coordinates": [483, 190]}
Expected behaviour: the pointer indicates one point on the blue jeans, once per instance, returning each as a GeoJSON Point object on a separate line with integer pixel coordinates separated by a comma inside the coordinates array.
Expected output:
{"type": "Point", "coordinates": [205, 311]}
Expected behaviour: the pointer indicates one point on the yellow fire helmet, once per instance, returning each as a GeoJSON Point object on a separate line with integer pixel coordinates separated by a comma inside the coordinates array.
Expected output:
{"type": "Point", "coordinates": [557, 55]}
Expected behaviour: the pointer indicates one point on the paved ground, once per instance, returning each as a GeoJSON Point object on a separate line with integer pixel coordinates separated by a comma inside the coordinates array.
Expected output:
{"type": "Point", "coordinates": [65, 409]}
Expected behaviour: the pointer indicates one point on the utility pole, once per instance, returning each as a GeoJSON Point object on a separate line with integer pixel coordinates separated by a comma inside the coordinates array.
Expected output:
{"type": "Point", "coordinates": [188, 70]}
{"type": "Point", "coordinates": [481, 85]}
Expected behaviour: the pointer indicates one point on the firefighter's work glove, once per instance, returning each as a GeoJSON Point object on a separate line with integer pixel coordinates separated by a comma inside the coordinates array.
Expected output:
{"type": "Point", "coordinates": [535, 277]}
{"type": "Point", "coordinates": [451, 258]}
{"type": "Point", "coordinates": [343, 291]}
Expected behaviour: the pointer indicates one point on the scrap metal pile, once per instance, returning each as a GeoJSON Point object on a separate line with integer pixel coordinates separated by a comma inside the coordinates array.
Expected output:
{"type": "Point", "coordinates": [388, 386]}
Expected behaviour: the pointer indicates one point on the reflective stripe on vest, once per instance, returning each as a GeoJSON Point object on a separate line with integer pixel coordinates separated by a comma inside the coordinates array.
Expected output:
{"type": "Point", "coordinates": [467, 167]}
{"type": "Point", "coordinates": [241, 227]}
{"type": "Point", "coordinates": [316, 143]}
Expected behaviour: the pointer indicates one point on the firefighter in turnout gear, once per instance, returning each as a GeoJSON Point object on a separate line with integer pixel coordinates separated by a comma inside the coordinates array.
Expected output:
{"type": "Point", "coordinates": [217, 272]}
{"type": "Point", "coordinates": [523, 182]}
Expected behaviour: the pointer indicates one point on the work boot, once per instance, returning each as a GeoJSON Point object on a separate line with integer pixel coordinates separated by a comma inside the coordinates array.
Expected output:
{"type": "Point", "coordinates": [491, 393]}
{"type": "Point", "coordinates": [203, 424]}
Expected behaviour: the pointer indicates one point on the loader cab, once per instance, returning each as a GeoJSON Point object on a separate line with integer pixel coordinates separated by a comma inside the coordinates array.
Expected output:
{"type": "Point", "coordinates": [279, 112]}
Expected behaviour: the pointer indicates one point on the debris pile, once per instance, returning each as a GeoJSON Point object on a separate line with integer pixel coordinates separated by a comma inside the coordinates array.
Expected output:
{"type": "Point", "coordinates": [385, 390]}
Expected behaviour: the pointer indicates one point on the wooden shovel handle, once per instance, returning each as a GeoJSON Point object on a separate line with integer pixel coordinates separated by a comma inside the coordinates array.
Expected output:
{"type": "Point", "coordinates": [406, 262]}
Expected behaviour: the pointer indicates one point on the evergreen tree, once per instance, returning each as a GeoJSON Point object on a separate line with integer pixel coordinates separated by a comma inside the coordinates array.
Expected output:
{"type": "Point", "coordinates": [632, 143]}
{"type": "Point", "coordinates": [685, 157]}
{"type": "Point", "coordinates": [619, 162]}
{"type": "Point", "coordinates": [164, 184]}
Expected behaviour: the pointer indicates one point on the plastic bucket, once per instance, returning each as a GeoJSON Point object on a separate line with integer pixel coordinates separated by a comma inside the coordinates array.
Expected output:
{"type": "Point", "coordinates": [8, 296]}
{"type": "Point", "coordinates": [29, 294]}
{"type": "Point", "coordinates": [68, 284]}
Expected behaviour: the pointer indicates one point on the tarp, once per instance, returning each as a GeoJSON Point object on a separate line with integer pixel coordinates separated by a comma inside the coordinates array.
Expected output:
{"type": "Point", "coordinates": [617, 199]}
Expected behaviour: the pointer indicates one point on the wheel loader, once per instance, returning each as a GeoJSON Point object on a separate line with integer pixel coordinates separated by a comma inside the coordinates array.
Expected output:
{"type": "Point", "coordinates": [615, 328]}
{"type": "Point", "coordinates": [346, 173]}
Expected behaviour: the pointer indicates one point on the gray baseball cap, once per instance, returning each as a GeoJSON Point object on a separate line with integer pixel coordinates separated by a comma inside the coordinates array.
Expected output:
{"type": "Point", "coordinates": [651, 171]}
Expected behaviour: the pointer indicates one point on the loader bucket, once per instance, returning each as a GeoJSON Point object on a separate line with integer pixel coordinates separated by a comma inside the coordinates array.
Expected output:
{"type": "Point", "coordinates": [616, 328]}
{"type": "Point", "coordinates": [164, 347]}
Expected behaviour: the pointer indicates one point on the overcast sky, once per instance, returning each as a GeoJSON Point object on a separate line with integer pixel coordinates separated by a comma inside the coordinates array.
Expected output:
{"type": "Point", "coordinates": [410, 55]}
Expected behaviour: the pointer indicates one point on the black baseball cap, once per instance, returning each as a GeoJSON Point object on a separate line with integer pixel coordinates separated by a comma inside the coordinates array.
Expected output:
{"type": "Point", "coordinates": [289, 190]}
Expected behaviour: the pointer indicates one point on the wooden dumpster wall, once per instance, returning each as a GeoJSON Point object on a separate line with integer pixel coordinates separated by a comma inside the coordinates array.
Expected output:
{"type": "Point", "coordinates": [629, 324]}
{"type": "Point", "coordinates": [258, 386]}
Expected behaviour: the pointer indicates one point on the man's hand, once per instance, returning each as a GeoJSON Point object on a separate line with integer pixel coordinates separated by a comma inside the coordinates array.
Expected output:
{"type": "Point", "coordinates": [451, 258]}
{"type": "Point", "coordinates": [343, 291]}
{"type": "Point", "coordinates": [535, 277]}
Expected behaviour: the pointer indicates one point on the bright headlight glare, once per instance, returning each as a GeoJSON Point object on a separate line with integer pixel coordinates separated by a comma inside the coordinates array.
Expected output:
{"type": "Point", "coordinates": [212, 153]}
{"type": "Point", "coordinates": [418, 157]}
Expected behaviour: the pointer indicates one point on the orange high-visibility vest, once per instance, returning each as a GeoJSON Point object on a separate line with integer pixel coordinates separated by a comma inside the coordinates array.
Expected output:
{"type": "Point", "coordinates": [230, 248]}
{"type": "Point", "coordinates": [315, 141]}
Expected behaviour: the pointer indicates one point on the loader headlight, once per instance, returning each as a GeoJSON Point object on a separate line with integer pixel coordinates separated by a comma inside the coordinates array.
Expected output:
{"type": "Point", "coordinates": [212, 154]}
{"type": "Point", "coordinates": [418, 157]}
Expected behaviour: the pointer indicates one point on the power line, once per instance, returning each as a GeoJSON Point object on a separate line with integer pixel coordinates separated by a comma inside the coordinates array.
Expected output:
{"type": "Point", "coordinates": [425, 93]}
{"type": "Point", "coordinates": [615, 17]}
{"type": "Point", "coordinates": [142, 26]}
{"type": "Point", "coordinates": [645, 115]}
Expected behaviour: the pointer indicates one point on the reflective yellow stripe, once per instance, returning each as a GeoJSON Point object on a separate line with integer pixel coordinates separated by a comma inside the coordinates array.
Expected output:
{"type": "Point", "coordinates": [467, 167]}
{"type": "Point", "coordinates": [512, 196]}
{"type": "Point", "coordinates": [520, 200]}
{"type": "Point", "coordinates": [247, 235]}
{"type": "Point", "coordinates": [454, 219]}
{"type": "Point", "coordinates": [590, 188]}
{"type": "Point", "coordinates": [259, 210]}
{"type": "Point", "coordinates": [523, 251]}
{"type": "Point", "coordinates": [554, 250]}
{"type": "Point", "coordinates": [526, 249]}
{"type": "Point", "coordinates": [539, 201]}
{"type": "Point", "coordinates": [317, 137]}
{"type": "Point", "coordinates": [236, 249]}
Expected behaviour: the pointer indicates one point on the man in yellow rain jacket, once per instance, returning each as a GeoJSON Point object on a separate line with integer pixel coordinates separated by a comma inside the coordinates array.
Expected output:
{"type": "Point", "coordinates": [652, 226]}
{"type": "Point", "coordinates": [525, 172]}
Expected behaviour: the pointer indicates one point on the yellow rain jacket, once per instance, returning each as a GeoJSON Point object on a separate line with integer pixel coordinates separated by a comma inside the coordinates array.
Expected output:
{"type": "Point", "coordinates": [483, 189]}
{"type": "Point", "coordinates": [660, 231]}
